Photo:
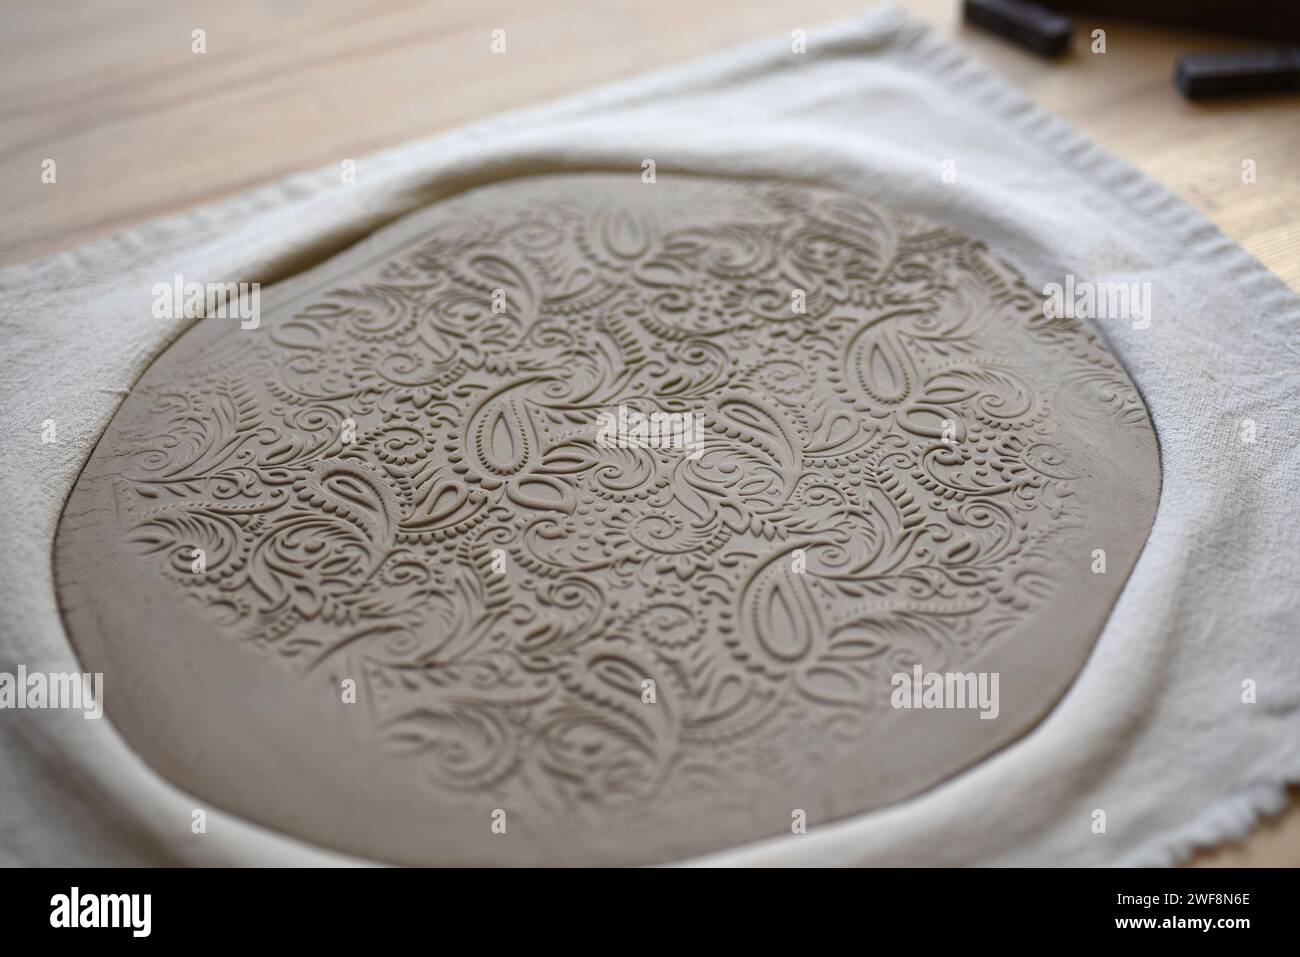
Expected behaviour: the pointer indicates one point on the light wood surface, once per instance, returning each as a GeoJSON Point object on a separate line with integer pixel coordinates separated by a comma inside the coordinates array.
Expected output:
{"type": "Point", "coordinates": [140, 126]}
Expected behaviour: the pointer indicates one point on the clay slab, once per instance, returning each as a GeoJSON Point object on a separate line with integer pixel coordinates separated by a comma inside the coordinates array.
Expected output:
{"type": "Point", "coordinates": [453, 576]}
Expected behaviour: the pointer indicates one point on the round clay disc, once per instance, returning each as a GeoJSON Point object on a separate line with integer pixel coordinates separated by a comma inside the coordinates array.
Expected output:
{"type": "Point", "coordinates": [586, 520]}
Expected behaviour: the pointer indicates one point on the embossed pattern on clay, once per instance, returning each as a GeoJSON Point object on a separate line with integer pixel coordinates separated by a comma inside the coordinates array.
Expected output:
{"type": "Point", "coordinates": [399, 480]}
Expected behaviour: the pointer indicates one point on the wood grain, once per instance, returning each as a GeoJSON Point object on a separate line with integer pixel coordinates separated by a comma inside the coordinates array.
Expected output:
{"type": "Point", "coordinates": [140, 126]}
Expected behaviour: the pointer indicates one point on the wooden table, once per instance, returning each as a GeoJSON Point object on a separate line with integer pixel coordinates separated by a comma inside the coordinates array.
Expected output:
{"type": "Point", "coordinates": [141, 126]}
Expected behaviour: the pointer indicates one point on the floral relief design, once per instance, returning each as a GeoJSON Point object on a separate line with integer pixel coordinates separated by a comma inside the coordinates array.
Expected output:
{"type": "Point", "coordinates": [358, 470]}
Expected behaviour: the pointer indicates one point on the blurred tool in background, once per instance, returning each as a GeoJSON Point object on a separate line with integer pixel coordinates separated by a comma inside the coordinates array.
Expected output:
{"type": "Point", "coordinates": [1198, 75]}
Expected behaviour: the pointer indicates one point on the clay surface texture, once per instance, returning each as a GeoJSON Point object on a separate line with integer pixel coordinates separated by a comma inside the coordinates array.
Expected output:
{"type": "Point", "coordinates": [585, 520]}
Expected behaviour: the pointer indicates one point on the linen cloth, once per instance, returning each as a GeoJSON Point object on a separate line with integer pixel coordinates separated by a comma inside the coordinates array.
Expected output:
{"type": "Point", "coordinates": [1154, 730]}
